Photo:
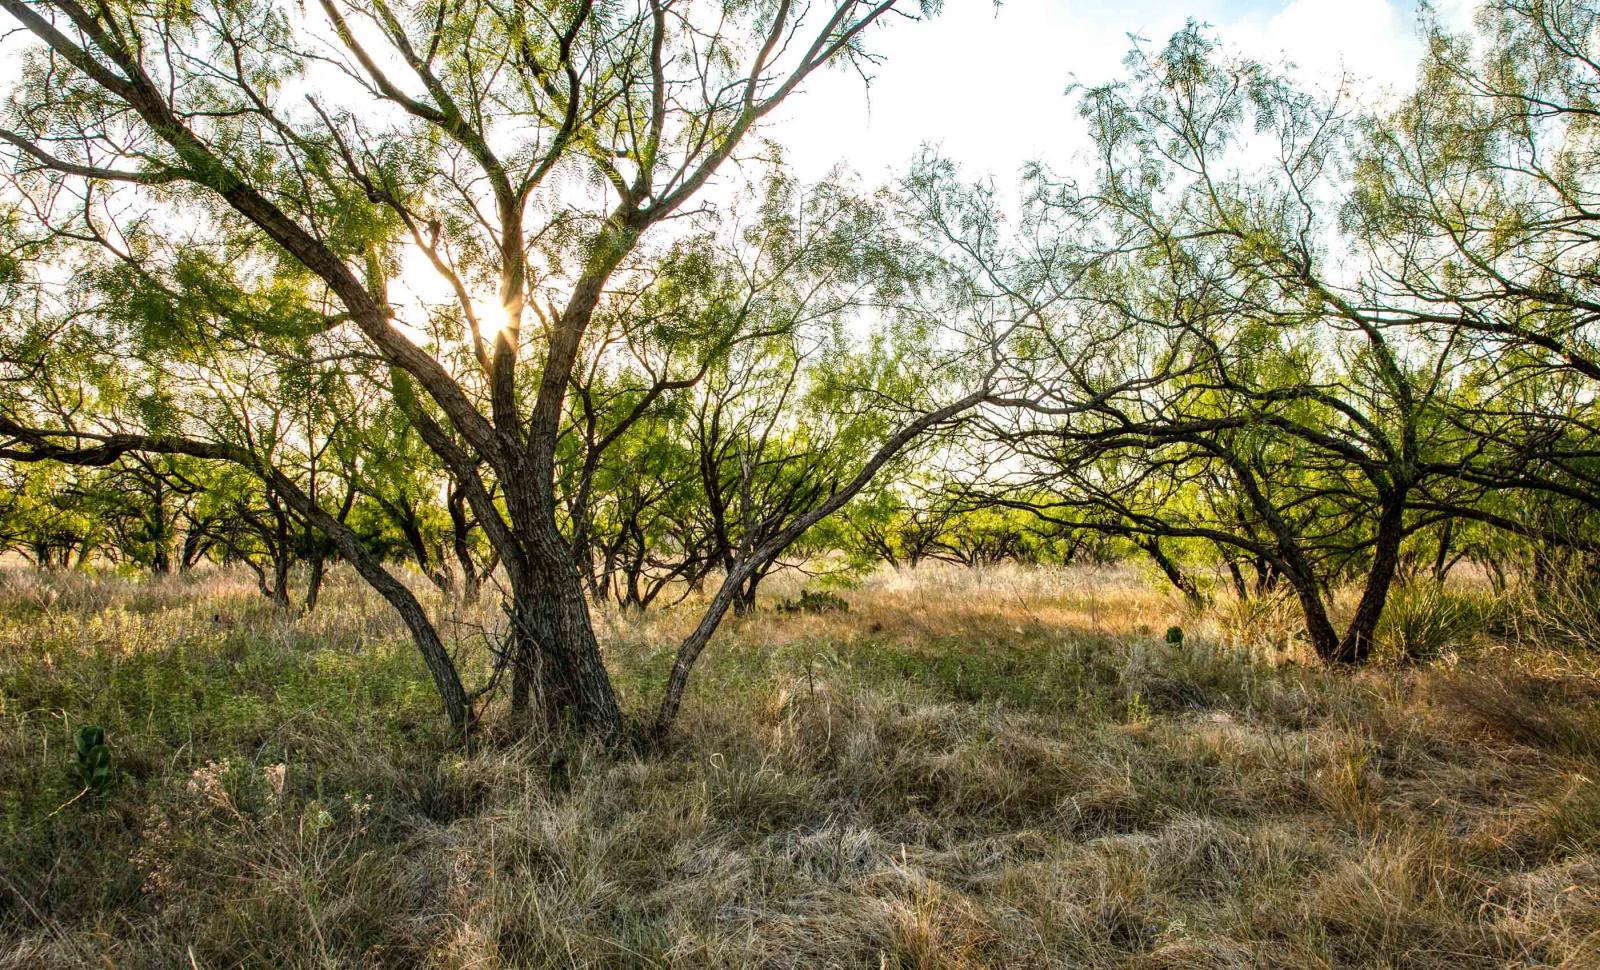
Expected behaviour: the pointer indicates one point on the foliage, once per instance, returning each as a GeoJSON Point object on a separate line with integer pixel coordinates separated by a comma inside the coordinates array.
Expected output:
{"type": "Point", "coordinates": [465, 319]}
{"type": "Point", "coordinates": [1426, 621]}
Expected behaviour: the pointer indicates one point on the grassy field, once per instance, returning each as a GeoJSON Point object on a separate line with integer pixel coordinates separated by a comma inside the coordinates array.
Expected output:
{"type": "Point", "coordinates": [992, 769]}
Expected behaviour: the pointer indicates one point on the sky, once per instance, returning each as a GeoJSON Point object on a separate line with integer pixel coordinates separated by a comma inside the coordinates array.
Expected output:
{"type": "Point", "coordinates": [987, 85]}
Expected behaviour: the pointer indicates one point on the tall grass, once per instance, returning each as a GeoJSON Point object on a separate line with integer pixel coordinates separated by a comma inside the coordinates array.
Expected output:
{"type": "Point", "coordinates": [1563, 612]}
{"type": "Point", "coordinates": [1005, 768]}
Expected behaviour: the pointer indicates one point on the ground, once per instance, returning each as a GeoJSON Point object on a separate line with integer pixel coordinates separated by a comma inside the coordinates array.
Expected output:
{"type": "Point", "coordinates": [1004, 768]}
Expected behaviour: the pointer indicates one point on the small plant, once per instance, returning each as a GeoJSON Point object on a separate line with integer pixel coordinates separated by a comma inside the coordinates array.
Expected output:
{"type": "Point", "coordinates": [93, 768]}
{"type": "Point", "coordinates": [1175, 635]}
{"type": "Point", "coordinates": [1138, 709]}
{"type": "Point", "coordinates": [815, 601]}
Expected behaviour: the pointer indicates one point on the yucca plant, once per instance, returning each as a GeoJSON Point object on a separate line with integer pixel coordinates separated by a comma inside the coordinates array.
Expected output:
{"type": "Point", "coordinates": [1424, 620]}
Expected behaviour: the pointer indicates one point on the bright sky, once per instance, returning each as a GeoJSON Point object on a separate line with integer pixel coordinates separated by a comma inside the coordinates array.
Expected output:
{"type": "Point", "coordinates": [987, 85]}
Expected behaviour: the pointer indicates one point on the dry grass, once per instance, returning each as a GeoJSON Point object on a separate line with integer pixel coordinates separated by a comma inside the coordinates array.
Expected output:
{"type": "Point", "coordinates": [998, 769]}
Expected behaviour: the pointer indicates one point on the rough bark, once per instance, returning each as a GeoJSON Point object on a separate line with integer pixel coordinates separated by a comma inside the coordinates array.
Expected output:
{"type": "Point", "coordinates": [1356, 645]}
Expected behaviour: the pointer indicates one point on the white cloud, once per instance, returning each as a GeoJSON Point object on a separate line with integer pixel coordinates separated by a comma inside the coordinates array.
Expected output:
{"type": "Point", "coordinates": [1370, 39]}
{"type": "Point", "coordinates": [988, 86]}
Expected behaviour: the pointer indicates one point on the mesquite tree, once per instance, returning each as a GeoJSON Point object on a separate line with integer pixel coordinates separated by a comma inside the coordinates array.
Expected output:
{"type": "Point", "coordinates": [1480, 194]}
{"type": "Point", "coordinates": [434, 198]}
{"type": "Point", "coordinates": [1209, 330]}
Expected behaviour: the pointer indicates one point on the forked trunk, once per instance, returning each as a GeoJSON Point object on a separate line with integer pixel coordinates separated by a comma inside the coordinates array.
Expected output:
{"type": "Point", "coordinates": [744, 603]}
{"type": "Point", "coordinates": [557, 671]}
{"type": "Point", "coordinates": [1319, 629]}
{"type": "Point", "coordinates": [1356, 646]}
{"type": "Point", "coordinates": [279, 593]}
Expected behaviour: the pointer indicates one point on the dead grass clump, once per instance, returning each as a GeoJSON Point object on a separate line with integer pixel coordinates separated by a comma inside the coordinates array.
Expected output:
{"type": "Point", "coordinates": [1521, 710]}
{"type": "Point", "coordinates": [1565, 823]}
{"type": "Point", "coordinates": [1552, 910]}
{"type": "Point", "coordinates": [1268, 628]}
{"type": "Point", "coordinates": [1403, 899]}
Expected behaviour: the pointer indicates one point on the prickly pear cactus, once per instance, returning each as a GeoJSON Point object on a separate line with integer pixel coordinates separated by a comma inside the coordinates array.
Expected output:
{"type": "Point", "coordinates": [93, 768]}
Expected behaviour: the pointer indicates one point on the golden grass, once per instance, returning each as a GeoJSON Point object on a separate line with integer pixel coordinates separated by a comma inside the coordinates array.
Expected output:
{"type": "Point", "coordinates": [1006, 768]}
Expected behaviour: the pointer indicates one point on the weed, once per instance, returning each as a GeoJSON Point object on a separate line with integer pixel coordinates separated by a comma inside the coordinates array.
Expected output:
{"type": "Point", "coordinates": [93, 769]}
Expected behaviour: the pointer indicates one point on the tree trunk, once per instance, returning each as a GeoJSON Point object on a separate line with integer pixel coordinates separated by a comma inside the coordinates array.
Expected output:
{"type": "Point", "coordinates": [278, 590]}
{"type": "Point", "coordinates": [1497, 573]}
{"type": "Point", "coordinates": [1442, 561]}
{"type": "Point", "coordinates": [1356, 646]}
{"type": "Point", "coordinates": [160, 532]}
{"type": "Point", "coordinates": [471, 582]}
{"type": "Point", "coordinates": [315, 572]}
{"type": "Point", "coordinates": [556, 658]}
{"type": "Point", "coordinates": [744, 601]}
{"type": "Point", "coordinates": [161, 559]}
{"type": "Point", "coordinates": [1239, 588]}
{"type": "Point", "coordinates": [689, 652]}
{"type": "Point", "coordinates": [1319, 629]}
{"type": "Point", "coordinates": [195, 545]}
{"type": "Point", "coordinates": [1267, 576]}
{"type": "Point", "coordinates": [440, 666]}
{"type": "Point", "coordinates": [1544, 570]}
